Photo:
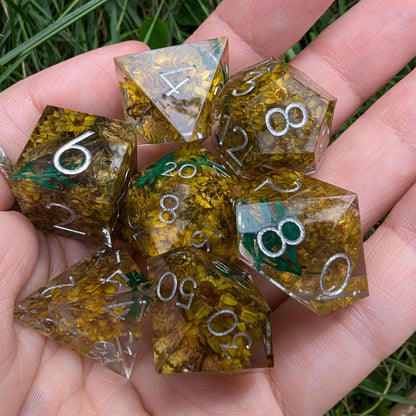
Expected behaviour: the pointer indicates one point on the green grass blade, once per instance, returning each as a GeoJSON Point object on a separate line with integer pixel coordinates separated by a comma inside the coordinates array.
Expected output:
{"type": "Point", "coordinates": [50, 31]}
{"type": "Point", "coordinates": [409, 369]}
{"type": "Point", "coordinates": [152, 26]}
{"type": "Point", "coordinates": [7, 72]}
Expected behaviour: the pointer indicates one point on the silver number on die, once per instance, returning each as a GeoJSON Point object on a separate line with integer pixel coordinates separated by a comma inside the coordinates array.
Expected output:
{"type": "Point", "coordinates": [276, 188]}
{"type": "Point", "coordinates": [335, 292]}
{"type": "Point", "coordinates": [71, 218]}
{"type": "Point", "coordinates": [171, 211]}
{"type": "Point", "coordinates": [285, 114]}
{"type": "Point", "coordinates": [72, 145]}
{"type": "Point", "coordinates": [250, 82]}
{"type": "Point", "coordinates": [175, 88]}
{"type": "Point", "coordinates": [279, 231]}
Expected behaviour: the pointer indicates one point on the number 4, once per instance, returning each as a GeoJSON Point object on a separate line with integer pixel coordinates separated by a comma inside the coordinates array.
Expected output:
{"type": "Point", "coordinates": [175, 88]}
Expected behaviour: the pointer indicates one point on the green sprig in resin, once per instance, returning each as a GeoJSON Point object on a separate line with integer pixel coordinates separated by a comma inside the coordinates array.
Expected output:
{"type": "Point", "coordinates": [303, 235]}
{"type": "Point", "coordinates": [97, 307]}
{"type": "Point", "coordinates": [183, 199]}
{"type": "Point", "coordinates": [71, 175]}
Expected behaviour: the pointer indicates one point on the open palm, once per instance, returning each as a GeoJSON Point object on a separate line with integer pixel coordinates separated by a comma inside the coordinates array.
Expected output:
{"type": "Point", "coordinates": [317, 360]}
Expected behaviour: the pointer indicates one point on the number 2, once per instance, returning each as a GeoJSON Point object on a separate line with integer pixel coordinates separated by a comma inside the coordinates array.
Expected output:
{"type": "Point", "coordinates": [71, 218]}
{"type": "Point", "coordinates": [45, 294]}
{"type": "Point", "coordinates": [43, 324]}
{"type": "Point", "coordinates": [237, 148]}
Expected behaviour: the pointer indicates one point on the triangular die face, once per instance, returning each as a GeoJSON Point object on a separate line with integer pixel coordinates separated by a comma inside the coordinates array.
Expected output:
{"type": "Point", "coordinates": [235, 273]}
{"type": "Point", "coordinates": [107, 330]}
{"type": "Point", "coordinates": [321, 209]}
{"type": "Point", "coordinates": [174, 82]}
{"type": "Point", "coordinates": [97, 308]}
{"type": "Point", "coordinates": [94, 339]}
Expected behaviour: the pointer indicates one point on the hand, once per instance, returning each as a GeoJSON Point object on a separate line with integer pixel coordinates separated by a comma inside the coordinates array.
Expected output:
{"type": "Point", "coordinates": [317, 360]}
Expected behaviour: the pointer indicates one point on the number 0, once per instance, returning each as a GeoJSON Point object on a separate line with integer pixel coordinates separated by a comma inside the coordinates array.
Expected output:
{"type": "Point", "coordinates": [338, 291]}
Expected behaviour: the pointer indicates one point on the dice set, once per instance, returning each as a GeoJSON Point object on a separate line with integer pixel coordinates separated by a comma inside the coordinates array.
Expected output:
{"type": "Point", "coordinates": [205, 224]}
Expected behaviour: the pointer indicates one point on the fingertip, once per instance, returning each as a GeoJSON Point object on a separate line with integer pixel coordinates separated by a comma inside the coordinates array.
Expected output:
{"type": "Point", "coordinates": [129, 46]}
{"type": "Point", "coordinates": [85, 83]}
{"type": "Point", "coordinates": [6, 195]}
{"type": "Point", "coordinates": [19, 247]}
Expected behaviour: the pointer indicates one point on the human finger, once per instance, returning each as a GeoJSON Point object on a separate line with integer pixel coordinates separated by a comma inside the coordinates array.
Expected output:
{"type": "Point", "coordinates": [84, 83]}
{"type": "Point", "coordinates": [332, 355]}
{"type": "Point", "coordinates": [19, 256]}
{"type": "Point", "coordinates": [241, 21]}
{"type": "Point", "coordinates": [261, 28]}
{"type": "Point", "coordinates": [375, 156]}
{"type": "Point", "coordinates": [360, 52]}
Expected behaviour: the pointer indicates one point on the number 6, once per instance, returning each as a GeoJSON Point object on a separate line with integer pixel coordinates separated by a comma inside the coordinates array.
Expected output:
{"type": "Point", "coordinates": [73, 145]}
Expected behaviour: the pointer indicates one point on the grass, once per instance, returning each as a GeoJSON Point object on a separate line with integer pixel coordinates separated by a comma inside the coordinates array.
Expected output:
{"type": "Point", "coordinates": [39, 33]}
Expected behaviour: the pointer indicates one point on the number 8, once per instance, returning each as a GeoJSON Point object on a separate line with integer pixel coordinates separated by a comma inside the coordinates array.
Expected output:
{"type": "Point", "coordinates": [285, 114]}
{"type": "Point", "coordinates": [279, 231]}
{"type": "Point", "coordinates": [170, 211]}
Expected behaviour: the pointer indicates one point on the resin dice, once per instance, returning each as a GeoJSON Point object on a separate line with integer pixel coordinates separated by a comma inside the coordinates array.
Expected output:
{"type": "Point", "coordinates": [170, 91]}
{"type": "Point", "coordinates": [303, 235]}
{"type": "Point", "coordinates": [208, 316]}
{"type": "Point", "coordinates": [97, 307]}
{"type": "Point", "coordinates": [270, 116]}
{"type": "Point", "coordinates": [183, 199]}
{"type": "Point", "coordinates": [71, 175]}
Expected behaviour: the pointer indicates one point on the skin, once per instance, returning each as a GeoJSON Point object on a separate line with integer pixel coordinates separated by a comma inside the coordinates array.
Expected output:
{"type": "Point", "coordinates": [317, 360]}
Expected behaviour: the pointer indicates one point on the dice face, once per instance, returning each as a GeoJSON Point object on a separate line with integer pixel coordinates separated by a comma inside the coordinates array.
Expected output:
{"type": "Point", "coordinates": [303, 235]}
{"type": "Point", "coordinates": [270, 116]}
{"type": "Point", "coordinates": [208, 316]}
{"type": "Point", "coordinates": [97, 307]}
{"type": "Point", "coordinates": [71, 175]}
{"type": "Point", "coordinates": [184, 199]}
{"type": "Point", "coordinates": [170, 90]}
